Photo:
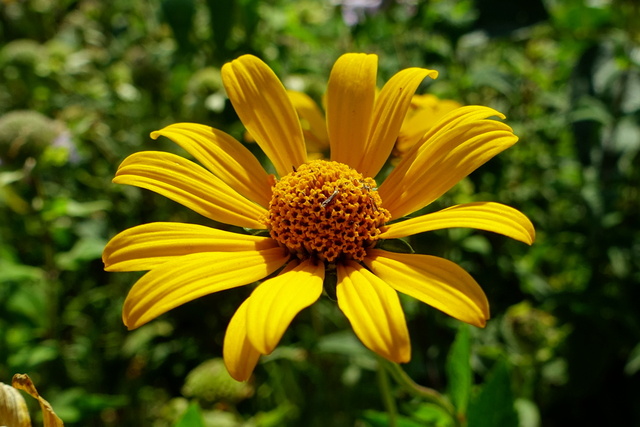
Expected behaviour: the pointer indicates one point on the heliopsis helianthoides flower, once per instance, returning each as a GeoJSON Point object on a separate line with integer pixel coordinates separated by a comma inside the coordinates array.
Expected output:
{"type": "Point", "coordinates": [318, 216]}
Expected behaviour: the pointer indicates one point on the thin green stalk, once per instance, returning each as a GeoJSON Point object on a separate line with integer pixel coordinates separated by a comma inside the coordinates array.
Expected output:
{"type": "Point", "coordinates": [387, 397]}
{"type": "Point", "coordinates": [417, 390]}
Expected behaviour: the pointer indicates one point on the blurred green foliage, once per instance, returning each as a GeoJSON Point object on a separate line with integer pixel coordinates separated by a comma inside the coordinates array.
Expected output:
{"type": "Point", "coordinates": [84, 82]}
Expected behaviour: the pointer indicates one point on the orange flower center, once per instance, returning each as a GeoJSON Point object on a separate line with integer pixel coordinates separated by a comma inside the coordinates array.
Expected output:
{"type": "Point", "coordinates": [326, 210]}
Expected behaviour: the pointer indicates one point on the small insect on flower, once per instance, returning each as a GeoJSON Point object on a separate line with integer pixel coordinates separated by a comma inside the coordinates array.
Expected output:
{"type": "Point", "coordinates": [367, 188]}
{"type": "Point", "coordinates": [330, 198]}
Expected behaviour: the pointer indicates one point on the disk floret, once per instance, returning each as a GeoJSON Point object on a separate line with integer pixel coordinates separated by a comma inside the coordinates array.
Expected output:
{"type": "Point", "coordinates": [326, 210]}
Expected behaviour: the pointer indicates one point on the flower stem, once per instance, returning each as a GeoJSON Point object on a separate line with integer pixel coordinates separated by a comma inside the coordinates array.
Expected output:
{"type": "Point", "coordinates": [387, 397]}
{"type": "Point", "coordinates": [417, 390]}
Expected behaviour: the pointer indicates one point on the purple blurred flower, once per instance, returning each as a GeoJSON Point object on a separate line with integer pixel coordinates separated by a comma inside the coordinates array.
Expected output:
{"type": "Point", "coordinates": [353, 11]}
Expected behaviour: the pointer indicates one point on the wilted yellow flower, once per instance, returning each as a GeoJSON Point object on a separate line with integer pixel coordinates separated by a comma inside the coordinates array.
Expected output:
{"type": "Point", "coordinates": [13, 408]}
{"type": "Point", "coordinates": [320, 214]}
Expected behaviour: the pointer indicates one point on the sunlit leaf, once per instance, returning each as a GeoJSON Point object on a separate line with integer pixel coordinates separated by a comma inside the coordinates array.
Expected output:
{"type": "Point", "coordinates": [192, 417]}
{"type": "Point", "coordinates": [459, 369]}
{"type": "Point", "coordinates": [494, 405]}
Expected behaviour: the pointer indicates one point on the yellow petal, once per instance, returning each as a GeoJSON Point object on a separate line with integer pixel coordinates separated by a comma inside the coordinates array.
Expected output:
{"type": "Point", "coordinates": [191, 185]}
{"type": "Point", "coordinates": [240, 356]}
{"type": "Point", "coordinates": [23, 382]}
{"type": "Point", "coordinates": [488, 216]}
{"type": "Point", "coordinates": [192, 276]}
{"type": "Point", "coordinates": [374, 310]}
{"type": "Point", "coordinates": [453, 151]}
{"type": "Point", "coordinates": [13, 409]}
{"type": "Point", "coordinates": [228, 159]}
{"type": "Point", "coordinates": [350, 97]}
{"type": "Point", "coordinates": [314, 125]}
{"type": "Point", "coordinates": [266, 111]}
{"type": "Point", "coordinates": [435, 281]}
{"type": "Point", "coordinates": [459, 117]}
{"type": "Point", "coordinates": [146, 246]}
{"type": "Point", "coordinates": [390, 110]}
{"type": "Point", "coordinates": [424, 113]}
{"type": "Point", "coordinates": [275, 302]}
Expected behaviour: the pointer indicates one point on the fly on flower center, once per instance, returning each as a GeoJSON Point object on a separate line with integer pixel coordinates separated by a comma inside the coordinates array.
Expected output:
{"type": "Point", "coordinates": [326, 210]}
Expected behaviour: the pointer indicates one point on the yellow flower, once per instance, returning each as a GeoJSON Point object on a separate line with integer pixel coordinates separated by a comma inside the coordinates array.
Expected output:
{"type": "Point", "coordinates": [321, 215]}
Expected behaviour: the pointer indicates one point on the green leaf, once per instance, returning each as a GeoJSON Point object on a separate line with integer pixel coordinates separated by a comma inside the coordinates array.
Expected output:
{"type": "Point", "coordinates": [459, 369]}
{"type": "Point", "coordinates": [528, 413]}
{"type": "Point", "coordinates": [330, 284]}
{"type": "Point", "coordinates": [14, 272]}
{"type": "Point", "coordinates": [344, 343]}
{"type": "Point", "coordinates": [30, 357]}
{"type": "Point", "coordinates": [478, 244]}
{"type": "Point", "coordinates": [85, 249]}
{"type": "Point", "coordinates": [179, 14]}
{"type": "Point", "coordinates": [381, 419]}
{"type": "Point", "coordinates": [284, 412]}
{"type": "Point", "coordinates": [222, 18]}
{"type": "Point", "coordinates": [494, 405]}
{"type": "Point", "coordinates": [396, 245]}
{"type": "Point", "coordinates": [433, 415]}
{"type": "Point", "coordinates": [633, 363]}
{"type": "Point", "coordinates": [192, 417]}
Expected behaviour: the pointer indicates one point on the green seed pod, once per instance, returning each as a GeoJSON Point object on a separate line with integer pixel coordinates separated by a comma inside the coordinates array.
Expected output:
{"type": "Point", "coordinates": [210, 382]}
{"type": "Point", "coordinates": [22, 53]}
{"type": "Point", "coordinates": [24, 134]}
